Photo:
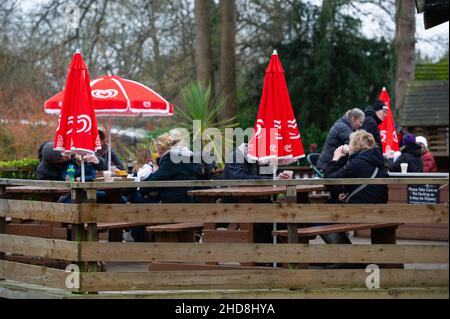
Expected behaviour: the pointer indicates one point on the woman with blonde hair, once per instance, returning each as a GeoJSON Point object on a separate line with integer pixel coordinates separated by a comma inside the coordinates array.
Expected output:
{"type": "Point", "coordinates": [176, 162]}
{"type": "Point", "coordinates": [362, 160]}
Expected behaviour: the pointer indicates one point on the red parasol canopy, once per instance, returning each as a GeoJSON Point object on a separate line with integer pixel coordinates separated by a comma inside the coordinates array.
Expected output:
{"type": "Point", "coordinates": [116, 96]}
{"type": "Point", "coordinates": [276, 134]}
{"type": "Point", "coordinates": [77, 126]}
{"type": "Point", "coordinates": [388, 133]}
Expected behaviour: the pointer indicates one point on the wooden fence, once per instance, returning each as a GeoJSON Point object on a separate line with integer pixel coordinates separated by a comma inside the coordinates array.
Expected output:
{"type": "Point", "coordinates": [86, 251]}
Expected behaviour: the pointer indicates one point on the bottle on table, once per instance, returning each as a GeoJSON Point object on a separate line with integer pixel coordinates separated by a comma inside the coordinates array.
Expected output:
{"type": "Point", "coordinates": [71, 173]}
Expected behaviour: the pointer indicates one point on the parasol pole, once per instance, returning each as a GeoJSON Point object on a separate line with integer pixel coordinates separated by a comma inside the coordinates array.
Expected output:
{"type": "Point", "coordinates": [109, 144]}
{"type": "Point", "coordinates": [274, 163]}
{"type": "Point", "coordinates": [83, 179]}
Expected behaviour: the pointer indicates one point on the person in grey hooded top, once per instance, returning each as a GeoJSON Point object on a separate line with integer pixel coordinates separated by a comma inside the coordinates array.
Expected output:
{"type": "Point", "coordinates": [339, 134]}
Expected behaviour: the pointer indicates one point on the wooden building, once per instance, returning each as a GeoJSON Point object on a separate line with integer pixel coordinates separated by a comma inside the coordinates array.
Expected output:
{"type": "Point", "coordinates": [426, 107]}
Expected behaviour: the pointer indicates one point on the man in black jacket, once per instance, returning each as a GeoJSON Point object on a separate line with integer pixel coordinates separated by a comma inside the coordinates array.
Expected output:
{"type": "Point", "coordinates": [375, 115]}
{"type": "Point", "coordinates": [411, 153]}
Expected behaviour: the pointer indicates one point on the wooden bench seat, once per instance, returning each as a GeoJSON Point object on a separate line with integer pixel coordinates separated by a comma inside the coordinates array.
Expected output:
{"type": "Point", "coordinates": [328, 229]}
{"type": "Point", "coordinates": [313, 231]}
{"type": "Point", "coordinates": [178, 232]}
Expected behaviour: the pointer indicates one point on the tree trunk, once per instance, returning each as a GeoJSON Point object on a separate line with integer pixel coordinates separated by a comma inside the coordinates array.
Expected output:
{"type": "Point", "coordinates": [203, 49]}
{"type": "Point", "coordinates": [228, 57]}
{"type": "Point", "coordinates": [404, 45]}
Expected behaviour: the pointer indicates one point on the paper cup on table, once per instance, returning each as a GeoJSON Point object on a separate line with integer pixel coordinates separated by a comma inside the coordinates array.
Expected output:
{"type": "Point", "coordinates": [290, 173]}
{"type": "Point", "coordinates": [404, 167]}
{"type": "Point", "coordinates": [108, 176]}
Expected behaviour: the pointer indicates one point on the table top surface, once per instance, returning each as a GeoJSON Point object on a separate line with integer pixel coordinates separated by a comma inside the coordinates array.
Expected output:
{"type": "Point", "coordinates": [253, 191]}
{"type": "Point", "coordinates": [37, 189]}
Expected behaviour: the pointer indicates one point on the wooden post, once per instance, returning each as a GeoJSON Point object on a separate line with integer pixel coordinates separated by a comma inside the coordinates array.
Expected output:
{"type": "Point", "coordinates": [2, 219]}
{"type": "Point", "coordinates": [291, 197]}
{"type": "Point", "coordinates": [92, 233]}
{"type": "Point", "coordinates": [78, 196]}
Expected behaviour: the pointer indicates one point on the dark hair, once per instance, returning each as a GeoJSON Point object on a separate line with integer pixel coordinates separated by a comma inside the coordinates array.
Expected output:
{"type": "Point", "coordinates": [378, 105]}
{"type": "Point", "coordinates": [102, 135]}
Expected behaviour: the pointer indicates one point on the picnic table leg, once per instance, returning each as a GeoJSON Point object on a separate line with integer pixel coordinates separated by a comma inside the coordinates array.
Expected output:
{"type": "Point", "coordinates": [385, 235]}
{"type": "Point", "coordinates": [291, 197]}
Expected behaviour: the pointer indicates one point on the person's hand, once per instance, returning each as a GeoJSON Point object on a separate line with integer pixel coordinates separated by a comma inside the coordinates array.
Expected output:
{"type": "Point", "coordinates": [342, 197]}
{"type": "Point", "coordinates": [389, 154]}
{"type": "Point", "coordinates": [91, 158]}
{"type": "Point", "coordinates": [67, 178]}
{"type": "Point", "coordinates": [283, 176]}
{"type": "Point", "coordinates": [338, 153]}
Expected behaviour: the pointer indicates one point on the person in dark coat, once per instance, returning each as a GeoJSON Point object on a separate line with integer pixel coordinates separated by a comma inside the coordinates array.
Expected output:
{"type": "Point", "coordinates": [339, 134]}
{"type": "Point", "coordinates": [428, 160]}
{"type": "Point", "coordinates": [53, 163]}
{"type": "Point", "coordinates": [411, 153]}
{"type": "Point", "coordinates": [363, 161]}
{"type": "Point", "coordinates": [103, 152]}
{"type": "Point", "coordinates": [176, 162]}
{"type": "Point", "coordinates": [375, 115]}
{"type": "Point", "coordinates": [238, 166]}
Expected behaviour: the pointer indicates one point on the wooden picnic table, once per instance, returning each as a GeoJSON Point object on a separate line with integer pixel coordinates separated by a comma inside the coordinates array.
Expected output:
{"type": "Point", "coordinates": [245, 194]}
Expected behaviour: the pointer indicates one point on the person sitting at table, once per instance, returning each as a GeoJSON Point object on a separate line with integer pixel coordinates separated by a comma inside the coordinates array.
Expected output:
{"type": "Point", "coordinates": [339, 134]}
{"type": "Point", "coordinates": [363, 160]}
{"type": "Point", "coordinates": [428, 161]}
{"type": "Point", "coordinates": [52, 163]}
{"type": "Point", "coordinates": [238, 167]}
{"type": "Point", "coordinates": [103, 152]}
{"type": "Point", "coordinates": [89, 175]}
{"type": "Point", "coordinates": [410, 153]}
{"type": "Point", "coordinates": [175, 163]}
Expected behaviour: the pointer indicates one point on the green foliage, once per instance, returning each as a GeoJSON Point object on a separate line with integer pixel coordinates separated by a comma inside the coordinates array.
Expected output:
{"type": "Point", "coordinates": [7, 148]}
{"type": "Point", "coordinates": [329, 67]}
{"type": "Point", "coordinates": [20, 169]}
{"type": "Point", "coordinates": [200, 105]}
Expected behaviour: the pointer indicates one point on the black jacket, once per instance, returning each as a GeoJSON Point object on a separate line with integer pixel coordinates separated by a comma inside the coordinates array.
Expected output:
{"type": "Point", "coordinates": [371, 123]}
{"type": "Point", "coordinates": [182, 169]}
{"type": "Point", "coordinates": [238, 167]}
{"type": "Point", "coordinates": [361, 165]}
{"type": "Point", "coordinates": [115, 161]}
{"type": "Point", "coordinates": [338, 135]}
{"type": "Point", "coordinates": [411, 154]}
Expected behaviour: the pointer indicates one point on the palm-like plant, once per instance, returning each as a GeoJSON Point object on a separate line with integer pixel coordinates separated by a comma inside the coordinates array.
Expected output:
{"type": "Point", "coordinates": [200, 105]}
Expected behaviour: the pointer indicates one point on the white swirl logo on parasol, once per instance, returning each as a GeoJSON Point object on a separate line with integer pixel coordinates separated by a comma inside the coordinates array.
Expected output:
{"type": "Point", "coordinates": [395, 137]}
{"type": "Point", "coordinates": [288, 148]}
{"type": "Point", "coordinates": [383, 135]}
{"type": "Point", "coordinates": [60, 141]}
{"type": "Point", "coordinates": [104, 94]}
{"type": "Point", "coordinates": [294, 136]}
{"type": "Point", "coordinates": [70, 123]}
{"type": "Point", "coordinates": [273, 148]}
{"type": "Point", "coordinates": [147, 104]}
{"type": "Point", "coordinates": [86, 122]}
{"type": "Point", "coordinates": [259, 125]}
{"type": "Point", "coordinates": [292, 124]}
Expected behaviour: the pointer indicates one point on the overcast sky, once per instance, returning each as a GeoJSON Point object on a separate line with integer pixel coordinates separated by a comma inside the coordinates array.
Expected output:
{"type": "Point", "coordinates": [432, 42]}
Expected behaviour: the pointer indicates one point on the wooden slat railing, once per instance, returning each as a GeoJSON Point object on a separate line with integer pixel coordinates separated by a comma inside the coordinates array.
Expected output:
{"type": "Point", "coordinates": [86, 212]}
